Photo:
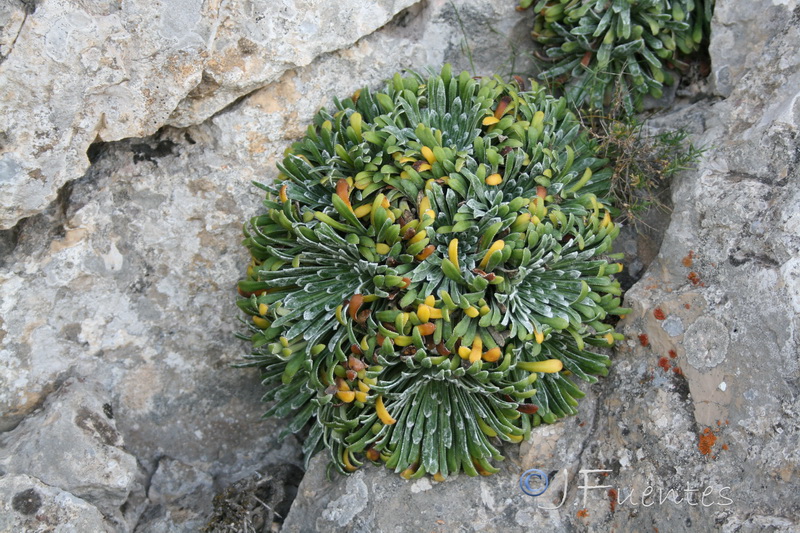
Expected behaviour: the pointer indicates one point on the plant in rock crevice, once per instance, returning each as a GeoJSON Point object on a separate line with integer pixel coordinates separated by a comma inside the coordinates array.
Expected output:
{"type": "Point", "coordinates": [430, 275]}
{"type": "Point", "coordinates": [598, 47]}
{"type": "Point", "coordinates": [643, 162]}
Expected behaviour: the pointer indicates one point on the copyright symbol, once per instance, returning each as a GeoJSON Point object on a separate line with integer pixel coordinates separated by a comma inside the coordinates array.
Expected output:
{"type": "Point", "coordinates": [538, 478]}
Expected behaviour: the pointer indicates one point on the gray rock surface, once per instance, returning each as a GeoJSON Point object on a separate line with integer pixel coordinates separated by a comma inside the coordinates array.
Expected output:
{"type": "Point", "coordinates": [27, 504]}
{"type": "Point", "coordinates": [742, 36]}
{"type": "Point", "coordinates": [181, 493]}
{"type": "Point", "coordinates": [143, 309]}
{"type": "Point", "coordinates": [77, 72]}
{"type": "Point", "coordinates": [73, 444]}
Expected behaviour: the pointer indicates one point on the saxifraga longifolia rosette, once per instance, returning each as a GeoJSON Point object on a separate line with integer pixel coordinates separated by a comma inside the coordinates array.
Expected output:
{"type": "Point", "coordinates": [430, 274]}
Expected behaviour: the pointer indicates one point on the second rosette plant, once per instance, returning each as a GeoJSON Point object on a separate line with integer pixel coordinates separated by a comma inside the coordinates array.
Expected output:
{"type": "Point", "coordinates": [430, 276]}
{"type": "Point", "coordinates": [596, 48]}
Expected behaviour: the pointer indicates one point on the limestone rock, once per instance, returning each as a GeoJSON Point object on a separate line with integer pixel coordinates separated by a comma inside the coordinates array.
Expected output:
{"type": "Point", "coordinates": [179, 497]}
{"type": "Point", "coordinates": [106, 289]}
{"type": "Point", "coordinates": [741, 38]}
{"type": "Point", "coordinates": [73, 444]}
{"type": "Point", "coordinates": [27, 504]}
{"type": "Point", "coordinates": [75, 72]}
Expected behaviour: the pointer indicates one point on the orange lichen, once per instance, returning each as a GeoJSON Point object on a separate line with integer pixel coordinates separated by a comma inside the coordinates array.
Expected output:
{"type": "Point", "coordinates": [664, 364]}
{"type": "Point", "coordinates": [688, 260]}
{"type": "Point", "coordinates": [673, 354]}
{"type": "Point", "coordinates": [644, 339]}
{"type": "Point", "coordinates": [583, 513]}
{"type": "Point", "coordinates": [706, 441]}
{"type": "Point", "coordinates": [687, 306]}
{"type": "Point", "coordinates": [678, 370]}
{"type": "Point", "coordinates": [613, 496]}
{"type": "Point", "coordinates": [659, 314]}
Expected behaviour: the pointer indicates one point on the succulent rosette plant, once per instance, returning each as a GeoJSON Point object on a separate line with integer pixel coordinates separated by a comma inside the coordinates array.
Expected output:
{"type": "Point", "coordinates": [596, 46]}
{"type": "Point", "coordinates": [431, 274]}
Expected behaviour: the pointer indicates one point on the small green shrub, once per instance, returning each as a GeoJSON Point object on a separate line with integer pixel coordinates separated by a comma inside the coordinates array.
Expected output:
{"type": "Point", "coordinates": [430, 274]}
{"type": "Point", "coordinates": [642, 163]}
